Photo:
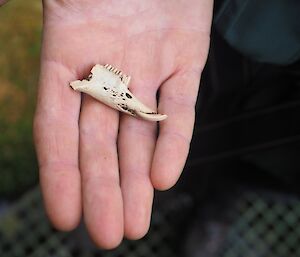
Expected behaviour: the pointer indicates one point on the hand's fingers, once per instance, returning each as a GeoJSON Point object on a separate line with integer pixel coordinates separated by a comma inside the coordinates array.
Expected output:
{"type": "Point", "coordinates": [136, 146]}
{"type": "Point", "coordinates": [102, 198]}
{"type": "Point", "coordinates": [177, 100]}
{"type": "Point", "coordinates": [56, 140]}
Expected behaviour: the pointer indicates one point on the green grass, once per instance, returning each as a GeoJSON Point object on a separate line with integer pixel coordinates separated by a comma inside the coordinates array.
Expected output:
{"type": "Point", "coordinates": [20, 35]}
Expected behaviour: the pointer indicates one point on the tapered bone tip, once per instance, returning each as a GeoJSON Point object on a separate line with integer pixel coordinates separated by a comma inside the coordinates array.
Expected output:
{"type": "Point", "coordinates": [161, 117]}
{"type": "Point", "coordinates": [152, 116]}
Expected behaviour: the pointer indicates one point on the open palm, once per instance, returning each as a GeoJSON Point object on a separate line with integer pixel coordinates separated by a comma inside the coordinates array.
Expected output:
{"type": "Point", "coordinates": [91, 157]}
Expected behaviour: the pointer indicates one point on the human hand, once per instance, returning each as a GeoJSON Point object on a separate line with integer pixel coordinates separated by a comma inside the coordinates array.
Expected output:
{"type": "Point", "coordinates": [90, 156]}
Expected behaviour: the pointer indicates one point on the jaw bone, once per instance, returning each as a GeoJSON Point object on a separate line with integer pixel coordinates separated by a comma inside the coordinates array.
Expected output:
{"type": "Point", "coordinates": [110, 86]}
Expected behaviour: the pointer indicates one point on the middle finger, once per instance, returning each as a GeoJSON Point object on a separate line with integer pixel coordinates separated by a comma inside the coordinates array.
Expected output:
{"type": "Point", "coordinates": [136, 144]}
{"type": "Point", "coordinates": [102, 198]}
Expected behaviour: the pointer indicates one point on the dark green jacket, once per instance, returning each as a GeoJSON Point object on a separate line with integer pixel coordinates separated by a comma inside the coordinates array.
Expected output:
{"type": "Point", "coordinates": [264, 30]}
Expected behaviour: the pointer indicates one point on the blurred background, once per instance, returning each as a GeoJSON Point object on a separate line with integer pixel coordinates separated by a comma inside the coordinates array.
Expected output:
{"type": "Point", "coordinates": [239, 194]}
{"type": "Point", "coordinates": [20, 32]}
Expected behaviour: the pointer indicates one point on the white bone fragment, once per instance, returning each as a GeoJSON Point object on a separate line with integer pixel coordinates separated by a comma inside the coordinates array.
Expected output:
{"type": "Point", "coordinates": [110, 86]}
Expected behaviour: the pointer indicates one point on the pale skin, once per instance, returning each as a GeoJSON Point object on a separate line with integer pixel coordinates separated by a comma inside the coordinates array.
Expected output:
{"type": "Point", "coordinates": [93, 160]}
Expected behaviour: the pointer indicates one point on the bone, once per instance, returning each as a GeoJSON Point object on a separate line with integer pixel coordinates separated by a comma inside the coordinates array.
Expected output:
{"type": "Point", "coordinates": [110, 86]}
